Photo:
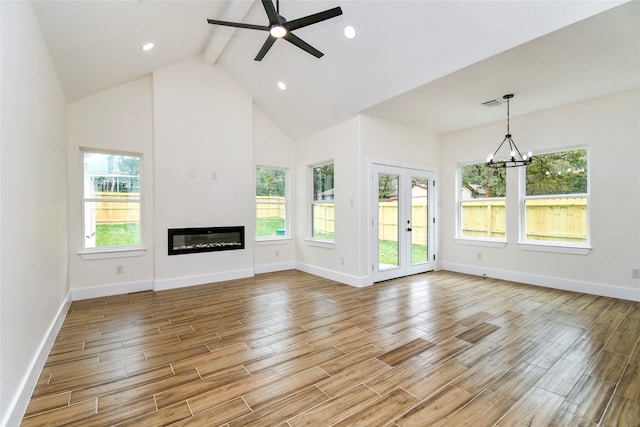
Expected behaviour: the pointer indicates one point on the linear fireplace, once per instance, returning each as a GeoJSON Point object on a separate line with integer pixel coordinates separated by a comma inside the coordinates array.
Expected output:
{"type": "Point", "coordinates": [205, 239]}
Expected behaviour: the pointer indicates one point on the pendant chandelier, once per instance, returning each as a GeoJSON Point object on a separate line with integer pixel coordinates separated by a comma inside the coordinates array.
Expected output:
{"type": "Point", "coordinates": [515, 157]}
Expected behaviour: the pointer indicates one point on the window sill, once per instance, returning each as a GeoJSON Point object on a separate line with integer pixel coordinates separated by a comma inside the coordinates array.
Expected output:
{"type": "Point", "coordinates": [558, 249]}
{"type": "Point", "coordinates": [482, 242]}
{"type": "Point", "coordinates": [273, 241]}
{"type": "Point", "coordinates": [88, 255]}
{"type": "Point", "coordinates": [327, 244]}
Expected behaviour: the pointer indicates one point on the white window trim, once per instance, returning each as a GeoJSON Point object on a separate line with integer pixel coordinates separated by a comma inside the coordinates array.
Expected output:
{"type": "Point", "coordinates": [475, 241]}
{"type": "Point", "coordinates": [310, 239]}
{"type": "Point", "coordinates": [287, 194]}
{"type": "Point", "coordinates": [546, 245]}
{"type": "Point", "coordinates": [555, 248]}
{"type": "Point", "coordinates": [470, 241]}
{"type": "Point", "coordinates": [274, 241]}
{"type": "Point", "coordinates": [320, 243]}
{"type": "Point", "coordinates": [112, 252]}
{"type": "Point", "coordinates": [108, 252]}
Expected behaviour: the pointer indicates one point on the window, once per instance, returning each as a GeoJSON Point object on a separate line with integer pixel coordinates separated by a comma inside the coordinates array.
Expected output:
{"type": "Point", "coordinates": [111, 200]}
{"type": "Point", "coordinates": [271, 203]}
{"type": "Point", "coordinates": [556, 199]}
{"type": "Point", "coordinates": [322, 207]}
{"type": "Point", "coordinates": [482, 202]}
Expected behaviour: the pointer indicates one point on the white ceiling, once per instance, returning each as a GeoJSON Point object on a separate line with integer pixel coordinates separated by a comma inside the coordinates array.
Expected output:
{"type": "Point", "coordinates": [425, 63]}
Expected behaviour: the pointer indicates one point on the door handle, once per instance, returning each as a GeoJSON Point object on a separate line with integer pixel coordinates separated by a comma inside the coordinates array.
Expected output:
{"type": "Point", "coordinates": [408, 228]}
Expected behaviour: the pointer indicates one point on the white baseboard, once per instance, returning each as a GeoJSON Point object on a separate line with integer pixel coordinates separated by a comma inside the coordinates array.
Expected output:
{"type": "Point", "coordinates": [270, 268]}
{"type": "Point", "coordinates": [358, 282]}
{"type": "Point", "coordinates": [109, 290]}
{"type": "Point", "coordinates": [20, 401]}
{"type": "Point", "coordinates": [548, 282]}
{"type": "Point", "coordinates": [183, 282]}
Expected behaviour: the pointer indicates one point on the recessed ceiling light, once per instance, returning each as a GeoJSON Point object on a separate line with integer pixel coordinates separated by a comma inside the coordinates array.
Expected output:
{"type": "Point", "coordinates": [282, 86]}
{"type": "Point", "coordinates": [349, 32]}
{"type": "Point", "coordinates": [147, 46]}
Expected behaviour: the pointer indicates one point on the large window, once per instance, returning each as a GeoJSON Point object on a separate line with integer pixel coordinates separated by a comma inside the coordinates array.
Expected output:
{"type": "Point", "coordinates": [271, 203]}
{"type": "Point", "coordinates": [111, 200]}
{"type": "Point", "coordinates": [556, 199]}
{"type": "Point", "coordinates": [322, 207]}
{"type": "Point", "coordinates": [481, 198]}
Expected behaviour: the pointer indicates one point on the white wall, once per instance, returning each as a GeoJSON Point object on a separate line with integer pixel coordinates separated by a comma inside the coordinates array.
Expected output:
{"type": "Point", "coordinates": [33, 206]}
{"type": "Point", "coordinates": [610, 127]}
{"type": "Point", "coordinates": [399, 145]}
{"type": "Point", "coordinates": [204, 170]}
{"type": "Point", "coordinates": [274, 148]}
{"type": "Point", "coordinates": [341, 260]}
{"type": "Point", "coordinates": [382, 139]}
{"type": "Point", "coordinates": [352, 145]}
{"type": "Point", "coordinates": [188, 121]}
{"type": "Point", "coordinates": [117, 119]}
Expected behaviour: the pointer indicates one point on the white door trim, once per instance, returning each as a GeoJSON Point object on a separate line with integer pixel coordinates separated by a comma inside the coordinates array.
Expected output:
{"type": "Point", "coordinates": [374, 168]}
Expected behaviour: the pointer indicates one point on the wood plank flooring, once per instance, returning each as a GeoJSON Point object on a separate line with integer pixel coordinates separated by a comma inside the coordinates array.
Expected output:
{"type": "Point", "coordinates": [290, 349]}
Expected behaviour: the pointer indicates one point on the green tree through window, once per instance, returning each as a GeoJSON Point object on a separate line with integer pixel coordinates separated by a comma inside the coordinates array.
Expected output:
{"type": "Point", "coordinates": [270, 182]}
{"type": "Point", "coordinates": [491, 180]}
{"type": "Point", "coordinates": [387, 186]}
{"type": "Point", "coordinates": [564, 172]}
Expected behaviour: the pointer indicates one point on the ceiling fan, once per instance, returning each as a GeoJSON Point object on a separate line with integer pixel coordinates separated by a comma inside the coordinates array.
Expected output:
{"type": "Point", "coordinates": [279, 27]}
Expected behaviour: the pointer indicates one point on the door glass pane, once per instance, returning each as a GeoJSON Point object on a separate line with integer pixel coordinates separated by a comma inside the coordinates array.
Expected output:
{"type": "Point", "coordinates": [388, 222]}
{"type": "Point", "coordinates": [419, 220]}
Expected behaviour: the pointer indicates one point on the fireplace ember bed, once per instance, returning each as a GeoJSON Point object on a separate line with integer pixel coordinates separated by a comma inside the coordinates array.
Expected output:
{"type": "Point", "coordinates": [205, 239]}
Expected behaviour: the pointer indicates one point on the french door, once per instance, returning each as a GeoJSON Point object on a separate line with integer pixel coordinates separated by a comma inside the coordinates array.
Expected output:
{"type": "Point", "coordinates": [402, 222]}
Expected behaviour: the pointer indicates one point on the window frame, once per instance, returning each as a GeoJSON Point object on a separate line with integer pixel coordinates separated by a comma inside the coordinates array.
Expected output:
{"type": "Point", "coordinates": [312, 203]}
{"type": "Point", "coordinates": [556, 246]}
{"type": "Point", "coordinates": [100, 252]}
{"type": "Point", "coordinates": [471, 240]}
{"type": "Point", "coordinates": [286, 203]}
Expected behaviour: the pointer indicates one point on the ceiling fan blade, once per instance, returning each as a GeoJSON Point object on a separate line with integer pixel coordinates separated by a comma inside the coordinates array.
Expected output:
{"type": "Point", "coordinates": [291, 38]}
{"type": "Point", "coordinates": [265, 48]}
{"type": "Point", "coordinates": [271, 12]}
{"type": "Point", "coordinates": [238, 25]}
{"type": "Point", "coordinates": [312, 19]}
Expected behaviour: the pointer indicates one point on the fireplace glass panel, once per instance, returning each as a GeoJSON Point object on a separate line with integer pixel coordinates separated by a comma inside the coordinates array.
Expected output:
{"type": "Point", "coordinates": [209, 239]}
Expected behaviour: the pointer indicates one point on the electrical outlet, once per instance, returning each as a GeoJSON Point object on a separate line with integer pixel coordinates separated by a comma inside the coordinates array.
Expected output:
{"type": "Point", "coordinates": [277, 252]}
{"type": "Point", "coordinates": [119, 269]}
{"type": "Point", "coordinates": [635, 273]}
{"type": "Point", "coordinates": [479, 255]}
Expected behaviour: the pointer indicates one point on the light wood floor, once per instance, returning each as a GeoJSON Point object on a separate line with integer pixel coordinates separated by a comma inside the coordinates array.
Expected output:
{"type": "Point", "coordinates": [290, 349]}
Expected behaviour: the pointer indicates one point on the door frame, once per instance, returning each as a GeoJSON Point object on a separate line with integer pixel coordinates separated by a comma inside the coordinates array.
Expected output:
{"type": "Point", "coordinates": [373, 262]}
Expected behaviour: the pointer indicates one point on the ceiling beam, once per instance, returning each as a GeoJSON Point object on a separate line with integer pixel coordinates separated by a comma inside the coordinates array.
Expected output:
{"type": "Point", "coordinates": [235, 12]}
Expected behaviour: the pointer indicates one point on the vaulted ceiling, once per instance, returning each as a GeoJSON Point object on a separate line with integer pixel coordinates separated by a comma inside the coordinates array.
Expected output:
{"type": "Point", "coordinates": [428, 64]}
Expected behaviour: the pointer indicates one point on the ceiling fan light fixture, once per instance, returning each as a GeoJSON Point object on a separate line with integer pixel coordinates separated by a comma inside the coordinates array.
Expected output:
{"type": "Point", "coordinates": [349, 32]}
{"type": "Point", "coordinates": [278, 31]}
{"type": "Point", "coordinates": [280, 28]}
